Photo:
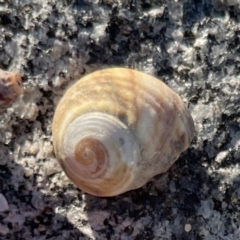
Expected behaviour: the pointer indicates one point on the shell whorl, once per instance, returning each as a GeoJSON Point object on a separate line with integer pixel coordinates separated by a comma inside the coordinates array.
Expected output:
{"type": "Point", "coordinates": [112, 104]}
{"type": "Point", "coordinates": [101, 151]}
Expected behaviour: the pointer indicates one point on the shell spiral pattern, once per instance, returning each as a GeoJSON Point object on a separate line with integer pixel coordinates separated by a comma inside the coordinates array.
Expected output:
{"type": "Point", "coordinates": [117, 128]}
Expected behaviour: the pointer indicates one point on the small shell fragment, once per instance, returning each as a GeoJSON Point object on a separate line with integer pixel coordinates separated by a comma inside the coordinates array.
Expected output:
{"type": "Point", "coordinates": [10, 88]}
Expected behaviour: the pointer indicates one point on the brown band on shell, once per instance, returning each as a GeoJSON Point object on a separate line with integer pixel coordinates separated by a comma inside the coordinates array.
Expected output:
{"type": "Point", "coordinates": [91, 153]}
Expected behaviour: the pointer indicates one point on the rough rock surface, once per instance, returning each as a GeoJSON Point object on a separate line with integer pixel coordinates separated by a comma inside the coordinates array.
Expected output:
{"type": "Point", "coordinates": [193, 46]}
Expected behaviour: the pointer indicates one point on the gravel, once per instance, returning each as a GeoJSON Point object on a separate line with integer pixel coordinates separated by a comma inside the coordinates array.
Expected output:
{"type": "Point", "coordinates": [193, 46]}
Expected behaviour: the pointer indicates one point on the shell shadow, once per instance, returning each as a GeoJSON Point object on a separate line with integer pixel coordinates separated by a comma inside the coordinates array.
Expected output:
{"type": "Point", "coordinates": [170, 201]}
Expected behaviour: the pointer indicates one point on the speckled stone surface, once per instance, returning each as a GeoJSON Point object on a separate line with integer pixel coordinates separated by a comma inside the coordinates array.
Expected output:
{"type": "Point", "coordinates": [193, 46]}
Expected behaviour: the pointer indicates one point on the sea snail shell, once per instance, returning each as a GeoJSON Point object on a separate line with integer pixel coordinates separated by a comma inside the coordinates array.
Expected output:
{"type": "Point", "coordinates": [10, 88]}
{"type": "Point", "coordinates": [117, 128]}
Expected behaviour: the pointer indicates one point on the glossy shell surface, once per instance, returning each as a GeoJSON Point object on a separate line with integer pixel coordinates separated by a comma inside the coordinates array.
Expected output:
{"type": "Point", "coordinates": [10, 88]}
{"type": "Point", "coordinates": [116, 128]}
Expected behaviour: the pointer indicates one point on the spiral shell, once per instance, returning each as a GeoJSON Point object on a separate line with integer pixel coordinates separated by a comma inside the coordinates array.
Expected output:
{"type": "Point", "coordinates": [10, 88]}
{"type": "Point", "coordinates": [117, 128]}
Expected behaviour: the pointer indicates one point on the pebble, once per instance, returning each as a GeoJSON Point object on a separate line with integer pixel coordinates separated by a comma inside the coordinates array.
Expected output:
{"type": "Point", "coordinates": [187, 227]}
{"type": "Point", "coordinates": [3, 204]}
{"type": "Point", "coordinates": [28, 172]}
{"type": "Point", "coordinates": [221, 156]}
{"type": "Point", "coordinates": [4, 230]}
